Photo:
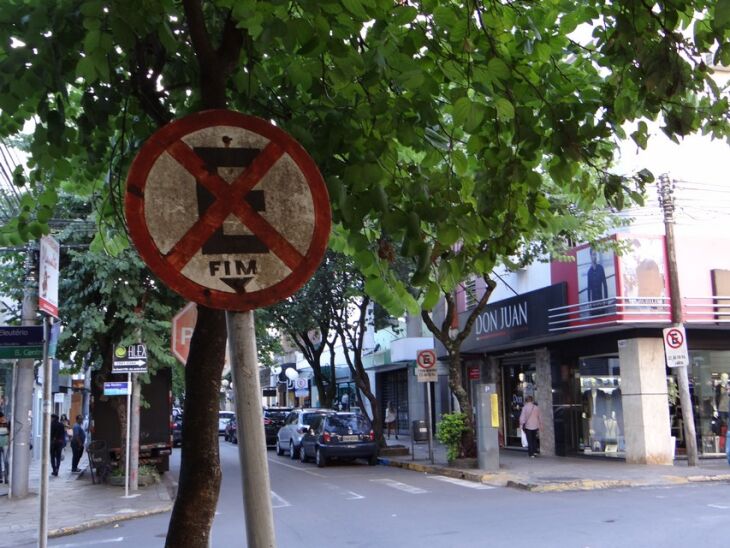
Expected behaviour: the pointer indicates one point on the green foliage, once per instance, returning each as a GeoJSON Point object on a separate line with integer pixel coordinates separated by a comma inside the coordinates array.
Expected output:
{"type": "Point", "coordinates": [449, 431]}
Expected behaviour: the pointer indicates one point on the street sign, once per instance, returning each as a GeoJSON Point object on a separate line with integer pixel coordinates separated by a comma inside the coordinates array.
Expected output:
{"type": "Point", "coordinates": [426, 370]}
{"type": "Point", "coordinates": [130, 359]}
{"type": "Point", "coordinates": [675, 347]}
{"type": "Point", "coordinates": [21, 341]}
{"type": "Point", "coordinates": [183, 325]}
{"type": "Point", "coordinates": [116, 388]}
{"type": "Point", "coordinates": [228, 210]}
{"type": "Point", "coordinates": [48, 276]}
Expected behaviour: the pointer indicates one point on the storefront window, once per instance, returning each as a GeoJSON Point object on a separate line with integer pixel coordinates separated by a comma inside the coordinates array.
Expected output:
{"type": "Point", "coordinates": [602, 414]}
{"type": "Point", "coordinates": [518, 383]}
{"type": "Point", "coordinates": [6, 379]}
{"type": "Point", "coordinates": [709, 386]}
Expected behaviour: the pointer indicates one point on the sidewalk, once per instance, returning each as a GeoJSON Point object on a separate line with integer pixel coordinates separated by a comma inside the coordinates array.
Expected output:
{"type": "Point", "coordinates": [545, 474]}
{"type": "Point", "coordinates": [75, 504]}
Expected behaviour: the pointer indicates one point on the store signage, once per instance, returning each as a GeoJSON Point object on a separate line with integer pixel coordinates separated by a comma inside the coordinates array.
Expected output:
{"type": "Point", "coordinates": [474, 374]}
{"type": "Point", "coordinates": [130, 359]}
{"type": "Point", "coordinates": [521, 317]}
{"type": "Point", "coordinates": [48, 276]}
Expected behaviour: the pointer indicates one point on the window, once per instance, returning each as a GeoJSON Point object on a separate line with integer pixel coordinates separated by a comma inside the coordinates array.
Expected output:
{"type": "Point", "coordinates": [470, 293]}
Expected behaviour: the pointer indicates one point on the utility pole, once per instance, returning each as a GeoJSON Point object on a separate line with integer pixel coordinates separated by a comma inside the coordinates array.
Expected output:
{"type": "Point", "coordinates": [23, 389]}
{"type": "Point", "coordinates": [666, 201]}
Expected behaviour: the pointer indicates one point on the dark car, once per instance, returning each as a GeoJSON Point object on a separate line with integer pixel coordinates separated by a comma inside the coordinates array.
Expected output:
{"type": "Point", "coordinates": [177, 430]}
{"type": "Point", "coordinates": [274, 418]}
{"type": "Point", "coordinates": [231, 432]}
{"type": "Point", "coordinates": [297, 422]}
{"type": "Point", "coordinates": [339, 436]}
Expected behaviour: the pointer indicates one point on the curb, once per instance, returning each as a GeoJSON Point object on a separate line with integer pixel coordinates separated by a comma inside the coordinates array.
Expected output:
{"type": "Point", "coordinates": [515, 482]}
{"type": "Point", "coordinates": [73, 529]}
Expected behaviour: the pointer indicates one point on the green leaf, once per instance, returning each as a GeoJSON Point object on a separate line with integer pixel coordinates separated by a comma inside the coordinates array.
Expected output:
{"type": "Point", "coordinates": [499, 68]}
{"type": "Point", "coordinates": [355, 8]}
{"type": "Point", "coordinates": [431, 297]}
{"type": "Point", "coordinates": [505, 109]}
{"type": "Point", "coordinates": [722, 15]}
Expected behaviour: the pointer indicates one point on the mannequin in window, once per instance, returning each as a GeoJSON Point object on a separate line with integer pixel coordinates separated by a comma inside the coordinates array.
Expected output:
{"type": "Point", "coordinates": [596, 284]}
{"type": "Point", "coordinates": [722, 397]}
{"type": "Point", "coordinates": [611, 425]}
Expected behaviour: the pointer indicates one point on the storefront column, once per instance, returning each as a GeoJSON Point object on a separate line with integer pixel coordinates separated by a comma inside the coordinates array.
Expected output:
{"type": "Point", "coordinates": [644, 400]}
{"type": "Point", "coordinates": [544, 399]}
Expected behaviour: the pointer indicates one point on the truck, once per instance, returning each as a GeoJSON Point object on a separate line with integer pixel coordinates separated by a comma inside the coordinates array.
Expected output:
{"type": "Point", "coordinates": [155, 426]}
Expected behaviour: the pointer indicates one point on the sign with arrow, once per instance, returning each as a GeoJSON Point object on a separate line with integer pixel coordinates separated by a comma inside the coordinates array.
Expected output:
{"type": "Point", "coordinates": [130, 359]}
{"type": "Point", "coordinates": [228, 210]}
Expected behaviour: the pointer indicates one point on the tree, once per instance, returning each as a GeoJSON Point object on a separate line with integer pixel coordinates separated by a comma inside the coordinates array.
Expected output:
{"type": "Point", "coordinates": [438, 124]}
{"type": "Point", "coordinates": [305, 319]}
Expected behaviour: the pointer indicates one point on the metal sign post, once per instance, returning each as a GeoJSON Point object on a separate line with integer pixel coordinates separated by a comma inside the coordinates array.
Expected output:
{"type": "Point", "coordinates": [427, 372]}
{"type": "Point", "coordinates": [129, 359]}
{"type": "Point", "coordinates": [46, 439]}
{"type": "Point", "coordinates": [262, 227]}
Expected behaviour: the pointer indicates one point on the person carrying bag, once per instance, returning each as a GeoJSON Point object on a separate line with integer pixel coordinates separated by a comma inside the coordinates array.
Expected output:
{"type": "Point", "coordinates": [530, 423]}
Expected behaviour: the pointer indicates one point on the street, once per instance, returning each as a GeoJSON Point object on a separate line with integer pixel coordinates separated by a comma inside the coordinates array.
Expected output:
{"type": "Point", "coordinates": [359, 505]}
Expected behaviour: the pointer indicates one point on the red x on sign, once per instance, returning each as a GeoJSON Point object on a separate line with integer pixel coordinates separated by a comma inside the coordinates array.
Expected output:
{"type": "Point", "coordinates": [228, 210]}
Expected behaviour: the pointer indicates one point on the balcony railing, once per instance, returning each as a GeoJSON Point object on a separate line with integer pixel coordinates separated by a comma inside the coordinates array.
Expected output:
{"type": "Point", "coordinates": [636, 310]}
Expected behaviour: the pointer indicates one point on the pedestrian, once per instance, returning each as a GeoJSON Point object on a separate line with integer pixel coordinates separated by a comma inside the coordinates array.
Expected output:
{"type": "Point", "coordinates": [58, 441]}
{"type": "Point", "coordinates": [78, 439]}
{"type": "Point", "coordinates": [4, 443]}
{"type": "Point", "coordinates": [390, 417]}
{"type": "Point", "coordinates": [531, 422]}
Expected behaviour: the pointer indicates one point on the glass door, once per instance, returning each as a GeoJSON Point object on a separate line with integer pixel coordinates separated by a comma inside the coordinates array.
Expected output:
{"type": "Point", "coordinates": [518, 382]}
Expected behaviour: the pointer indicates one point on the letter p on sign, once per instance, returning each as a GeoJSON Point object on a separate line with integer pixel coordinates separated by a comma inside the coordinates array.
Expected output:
{"type": "Point", "coordinates": [183, 325]}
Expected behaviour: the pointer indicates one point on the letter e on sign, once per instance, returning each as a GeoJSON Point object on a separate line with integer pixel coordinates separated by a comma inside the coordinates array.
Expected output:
{"type": "Point", "coordinates": [228, 210]}
{"type": "Point", "coordinates": [675, 347]}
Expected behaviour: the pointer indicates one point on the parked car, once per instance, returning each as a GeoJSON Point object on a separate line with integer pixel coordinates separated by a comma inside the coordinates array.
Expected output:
{"type": "Point", "coordinates": [223, 418]}
{"type": "Point", "coordinates": [177, 430]}
{"type": "Point", "coordinates": [289, 437]}
{"type": "Point", "coordinates": [231, 433]}
{"type": "Point", "coordinates": [339, 436]}
{"type": "Point", "coordinates": [274, 418]}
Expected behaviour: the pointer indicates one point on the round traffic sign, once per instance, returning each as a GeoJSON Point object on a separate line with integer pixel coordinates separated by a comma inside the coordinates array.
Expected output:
{"type": "Point", "coordinates": [675, 338]}
{"type": "Point", "coordinates": [426, 359]}
{"type": "Point", "coordinates": [228, 210]}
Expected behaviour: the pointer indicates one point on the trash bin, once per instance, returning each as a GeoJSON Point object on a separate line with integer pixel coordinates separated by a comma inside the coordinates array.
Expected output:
{"type": "Point", "coordinates": [420, 431]}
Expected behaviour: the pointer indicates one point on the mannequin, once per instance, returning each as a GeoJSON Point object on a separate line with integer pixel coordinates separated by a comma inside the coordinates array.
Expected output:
{"type": "Point", "coordinates": [611, 425]}
{"type": "Point", "coordinates": [722, 397]}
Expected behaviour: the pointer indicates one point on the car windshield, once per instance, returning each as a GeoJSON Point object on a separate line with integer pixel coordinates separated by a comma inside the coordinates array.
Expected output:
{"type": "Point", "coordinates": [345, 424]}
{"type": "Point", "coordinates": [225, 415]}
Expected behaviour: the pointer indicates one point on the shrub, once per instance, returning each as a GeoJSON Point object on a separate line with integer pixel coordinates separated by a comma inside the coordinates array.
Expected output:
{"type": "Point", "coordinates": [449, 432]}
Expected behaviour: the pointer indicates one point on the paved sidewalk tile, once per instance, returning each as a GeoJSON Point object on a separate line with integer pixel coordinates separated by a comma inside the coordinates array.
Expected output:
{"type": "Point", "coordinates": [75, 504]}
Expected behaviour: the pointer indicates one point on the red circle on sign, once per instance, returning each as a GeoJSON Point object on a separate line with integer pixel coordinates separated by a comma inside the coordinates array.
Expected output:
{"type": "Point", "coordinates": [425, 362]}
{"type": "Point", "coordinates": [228, 199]}
{"type": "Point", "coordinates": [674, 338]}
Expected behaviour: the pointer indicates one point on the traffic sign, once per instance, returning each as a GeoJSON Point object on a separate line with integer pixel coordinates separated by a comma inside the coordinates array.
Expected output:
{"type": "Point", "coordinates": [228, 210]}
{"type": "Point", "coordinates": [116, 388]}
{"type": "Point", "coordinates": [21, 342]}
{"type": "Point", "coordinates": [675, 347]}
{"type": "Point", "coordinates": [130, 359]}
{"type": "Point", "coordinates": [183, 325]}
{"type": "Point", "coordinates": [426, 366]}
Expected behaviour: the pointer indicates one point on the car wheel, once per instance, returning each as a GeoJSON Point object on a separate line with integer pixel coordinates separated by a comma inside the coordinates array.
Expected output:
{"type": "Point", "coordinates": [320, 459]}
{"type": "Point", "coordinates": [302, 455]}
{"type": "Point", "coordinates": [373, 460]}
{"type": "Point", "coordinates": [279, 450]}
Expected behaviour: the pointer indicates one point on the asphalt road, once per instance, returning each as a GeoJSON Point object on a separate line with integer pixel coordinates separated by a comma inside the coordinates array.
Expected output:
{"type": "Point", "coordinates": [362, 506]}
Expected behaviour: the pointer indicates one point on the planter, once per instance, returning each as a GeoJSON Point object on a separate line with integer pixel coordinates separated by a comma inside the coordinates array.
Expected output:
{"type": "Point", "coordinates": [469, 462]}
{"type": "Point", "coordinates": [142, 480]}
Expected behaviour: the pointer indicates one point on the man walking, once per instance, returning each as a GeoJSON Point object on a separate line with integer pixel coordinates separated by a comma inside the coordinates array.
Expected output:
{"type": "Point", "coordinates": [58, 441]}
{"type": "Point", "coordinates": [77, 443]}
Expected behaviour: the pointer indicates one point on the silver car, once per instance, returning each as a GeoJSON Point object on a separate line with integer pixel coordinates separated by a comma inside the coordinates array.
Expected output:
{"type": "Point", "coordinates": [289, 437]}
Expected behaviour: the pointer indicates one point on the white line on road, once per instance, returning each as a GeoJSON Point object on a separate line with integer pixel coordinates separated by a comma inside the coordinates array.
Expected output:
{"type": "Point", "coordinates": [354, 496]}
{"type": "Point", "coordinates": [719, 506]}
{"type": "Point", "coordinates": [278, 502]}
{"type": "Point", "coordinates": [463, 483]}
{"type": "Point", "coordinates": [89, 543]}
{"type": "Point", "coordinates": [297, 468]}
{"type": "Point", "coordinates": [401, 486]}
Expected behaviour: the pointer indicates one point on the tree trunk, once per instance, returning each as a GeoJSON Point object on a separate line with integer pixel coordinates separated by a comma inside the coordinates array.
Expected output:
{"type": "Point", "coordinates": [468, 440]}
{"type": "Point", "coordinates": [200, 473]}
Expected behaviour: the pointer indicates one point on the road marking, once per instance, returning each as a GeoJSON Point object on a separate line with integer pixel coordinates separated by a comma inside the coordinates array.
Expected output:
{"type": "Point", "coordinates": [297, 468]}
{"type": "Point", "coordinates": [349, 495]}
{"type": "Point", "coordinates": [89, 543]}
{"type": "Point", "coordinates": [719, 506]}
{"type": "Point", "coordinates": [463, 483]}
{"type": "Point", "coordinates": [278, 502]}
{"type": "Point", "coordinates": [354, 496]}
{"type": "Point", "coordinates": [401, 486]}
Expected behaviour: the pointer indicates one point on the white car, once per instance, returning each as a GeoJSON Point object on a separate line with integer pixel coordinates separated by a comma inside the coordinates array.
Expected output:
{"type": "Point", "coordinates": [289, 437]}
{"type": "Point", "coordinates": [223, 418]}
